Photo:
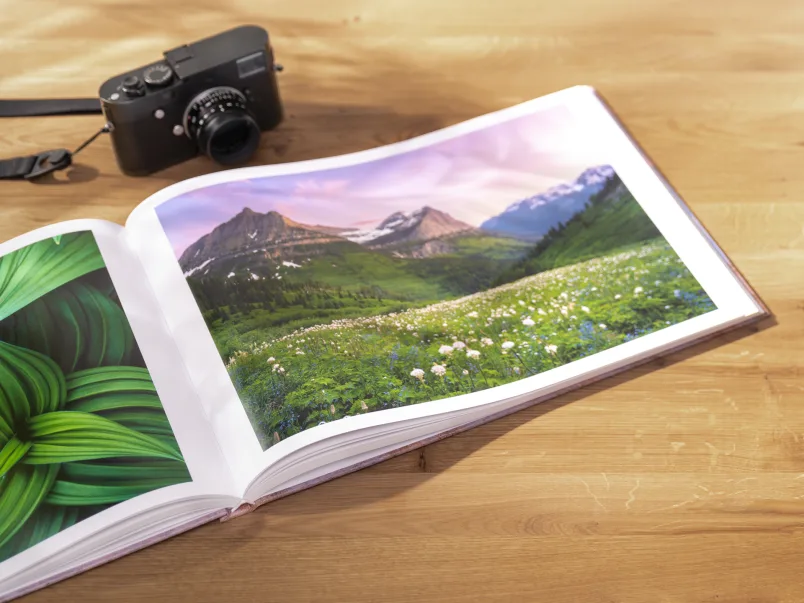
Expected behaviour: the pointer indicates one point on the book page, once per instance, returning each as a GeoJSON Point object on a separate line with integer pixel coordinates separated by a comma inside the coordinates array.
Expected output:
{"type": "Point", "coordinates": [97, 419]}
{"type": "Point", "coordinates": [462, 268]}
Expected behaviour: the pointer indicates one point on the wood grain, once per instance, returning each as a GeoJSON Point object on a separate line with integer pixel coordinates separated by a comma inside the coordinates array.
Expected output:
{"type": "Point", "coordinates": [681, 481]}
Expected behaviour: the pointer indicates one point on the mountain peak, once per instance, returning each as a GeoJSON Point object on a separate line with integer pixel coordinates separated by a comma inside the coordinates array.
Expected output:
{"type": "Point", "coordinates": [423, 224]}
{"type": "Point", "coordinates": [534, 216]}
{"type": "Point", "coordinates": [595, 175]}
{"type": "Point", "coordinates": [247, 232]}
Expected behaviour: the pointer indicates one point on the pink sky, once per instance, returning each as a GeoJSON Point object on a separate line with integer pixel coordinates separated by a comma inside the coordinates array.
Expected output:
{"type": "Point", "coordinates": [472, 177]}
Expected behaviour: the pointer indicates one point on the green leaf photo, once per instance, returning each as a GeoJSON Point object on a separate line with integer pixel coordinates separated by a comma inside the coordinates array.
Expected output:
{"type": "Point", "coordinates": [81, 425]}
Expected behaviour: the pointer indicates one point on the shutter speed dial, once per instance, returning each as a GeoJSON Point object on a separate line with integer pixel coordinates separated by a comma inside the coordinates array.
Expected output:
{"type": "Point", "coordinates": [158, 75]}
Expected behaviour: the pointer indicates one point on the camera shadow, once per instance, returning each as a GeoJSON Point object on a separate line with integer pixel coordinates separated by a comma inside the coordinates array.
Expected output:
{"type": "Point", "coordinates": [337, 102]}
{"type": "Point", "coordinates": [77, 172]}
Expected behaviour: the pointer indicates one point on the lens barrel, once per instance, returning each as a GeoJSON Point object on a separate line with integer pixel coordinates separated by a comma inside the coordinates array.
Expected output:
{"type": "Point", "coordinates": [219, 121]}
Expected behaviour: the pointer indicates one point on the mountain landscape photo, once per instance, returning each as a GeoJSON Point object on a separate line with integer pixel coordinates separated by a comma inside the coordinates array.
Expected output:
{"type": "Point", "coordinates": [316, 321]}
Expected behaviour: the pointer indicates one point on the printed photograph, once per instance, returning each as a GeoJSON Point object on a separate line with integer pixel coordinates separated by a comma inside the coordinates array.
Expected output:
{"type": "Point", "coordinates": [81, 425]}
{"type": "Point", "coordinates": [471, 263]}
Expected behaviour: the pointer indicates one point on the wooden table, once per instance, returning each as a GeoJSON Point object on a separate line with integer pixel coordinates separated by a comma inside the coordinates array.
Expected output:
{"type": "Point", "coordinates": [681, 481]}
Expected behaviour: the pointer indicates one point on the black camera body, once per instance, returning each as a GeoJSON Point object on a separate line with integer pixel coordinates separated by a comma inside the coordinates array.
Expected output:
{"type": "Point", "coordinates": [214, 96]}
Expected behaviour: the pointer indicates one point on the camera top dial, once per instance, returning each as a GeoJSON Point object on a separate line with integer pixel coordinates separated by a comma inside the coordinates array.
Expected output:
{"type": "Point", "coordinates": [158, 75]}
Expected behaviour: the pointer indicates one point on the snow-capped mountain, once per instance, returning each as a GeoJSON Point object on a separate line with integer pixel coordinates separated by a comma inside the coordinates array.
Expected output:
{"type": "Point", "coordinates": [534, 216]}
{"type": "Point", "coordinates": [423, 224]}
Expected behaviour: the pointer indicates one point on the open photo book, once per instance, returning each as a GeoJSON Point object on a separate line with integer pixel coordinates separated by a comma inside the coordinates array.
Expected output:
{"type": "Point", "coordinates": [255, 332]}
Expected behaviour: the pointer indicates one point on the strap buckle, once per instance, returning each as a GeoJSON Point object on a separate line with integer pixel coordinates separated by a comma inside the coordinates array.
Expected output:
{"type": "Point", "coordinates": [49, 162]}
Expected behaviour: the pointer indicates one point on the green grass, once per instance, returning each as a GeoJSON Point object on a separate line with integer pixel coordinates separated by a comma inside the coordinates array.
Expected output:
{"type": "Point", "coordinates": [350, 266]}
{"type": "Point", "coordinates": [336, 368]}
{"type": "Point", "coordinates": [489, 247]}
{"type": "Point", "coordinates": [246, 329]}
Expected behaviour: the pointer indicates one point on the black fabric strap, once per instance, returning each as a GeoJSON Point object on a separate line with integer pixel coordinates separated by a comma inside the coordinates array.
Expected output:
{"type": "Point", "coordinates": [49, 106]}
{"type": "Point", "coordinates": [18, 167]}
{"type": "Point", "coordinates": [34, 166]}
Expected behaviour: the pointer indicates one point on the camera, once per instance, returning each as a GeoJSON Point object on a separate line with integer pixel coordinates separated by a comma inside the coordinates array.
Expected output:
{"type": "Point", "coordinates": [214, 96]}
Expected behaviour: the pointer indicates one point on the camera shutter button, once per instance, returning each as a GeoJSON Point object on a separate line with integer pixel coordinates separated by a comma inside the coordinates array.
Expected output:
{"type": "Point", "coordinates": [133, 86]}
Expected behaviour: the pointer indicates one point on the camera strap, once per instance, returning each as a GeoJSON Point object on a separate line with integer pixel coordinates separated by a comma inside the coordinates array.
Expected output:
{"type": "Point", "coordinates": [31, 167]}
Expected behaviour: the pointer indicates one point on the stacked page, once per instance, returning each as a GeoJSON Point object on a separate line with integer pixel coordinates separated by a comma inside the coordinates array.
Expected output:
{"type": "Point", "coordinates": [254, 332]}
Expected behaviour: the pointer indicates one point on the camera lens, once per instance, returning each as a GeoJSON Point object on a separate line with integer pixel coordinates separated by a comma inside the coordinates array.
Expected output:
{"type": "Point", "coordinates": [221, 125]}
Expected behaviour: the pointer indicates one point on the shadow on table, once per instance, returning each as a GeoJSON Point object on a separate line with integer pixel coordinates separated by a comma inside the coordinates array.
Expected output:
{"type": "Point", "coordinates": [342, 96]}
{"type": "Point", "coordinates": [77, 172]}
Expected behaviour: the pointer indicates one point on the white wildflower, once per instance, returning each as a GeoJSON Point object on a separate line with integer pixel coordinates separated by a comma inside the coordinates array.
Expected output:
{"type": "Point", "coordinates": [446, 350]}
{"type": "Point", "coordinates": [602, 326]}
{"type": "Point", "coordinates": [485, 341]}
{"type": "Point", "coordinates": [551, 348]}
{"type": "Point", "coordinates": [472, 315]}
{"type": "Point", "coordinates": [618, 296]}
{"type": "Point", "coordinates": [585, 309]}
{"type": "Point", "coordinates": [528, 322]}
{"type": "Point", "coordinates": [417, 373]}
{"type": "Point", "coordinates": [472, 354]}
{"type": "Point", "coordinates": [507, 345]}
{"type": "Point", "coordinates": [638, 290]}
{"type": "Point", "coordinates": [465, 372]}
{"type": "Point", "coordinates": [542, 312]}
{"type": "Point", "coordinates": [458, 345]}
{"type": "Point", "coordinates": [439, 370]}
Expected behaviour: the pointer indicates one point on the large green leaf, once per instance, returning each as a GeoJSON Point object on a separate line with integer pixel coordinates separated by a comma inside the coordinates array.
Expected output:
{"type": "Point", "coordinates": [10, 454]}
{"type": "Point", "coordinates": [44, 523]}
{"type": "Point", "coordinates": [116, 400]}
{"type": "Point", "coordinates": [33, 271]}
{"type": "Point", "coordinates": [110, 471]}
{"type": "Point", "coordinates": [75, 494]}
{"type": "Point", "coordinates": [65, 436]}
{"type": "Point", "coordinates": [145, 420]}
{"type": "Point", "coordinates": [77, 325]}
{"type": "Point", "coordinates": [22, 492]}
{"type": "Point", "coordinates": [123, 394]}
{"type": "Point", "coordinates": [104, 381]}
{"type": "Point", "coordinates": [30, 384]}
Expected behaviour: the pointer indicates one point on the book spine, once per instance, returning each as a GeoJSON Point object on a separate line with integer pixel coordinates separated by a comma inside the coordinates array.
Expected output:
{"type": "Point", "coordinates": [241, 509]}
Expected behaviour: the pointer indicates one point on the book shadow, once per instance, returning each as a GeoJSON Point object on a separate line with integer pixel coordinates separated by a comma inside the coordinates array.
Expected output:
{"type": "Point", "coordinates": [384, 480]}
